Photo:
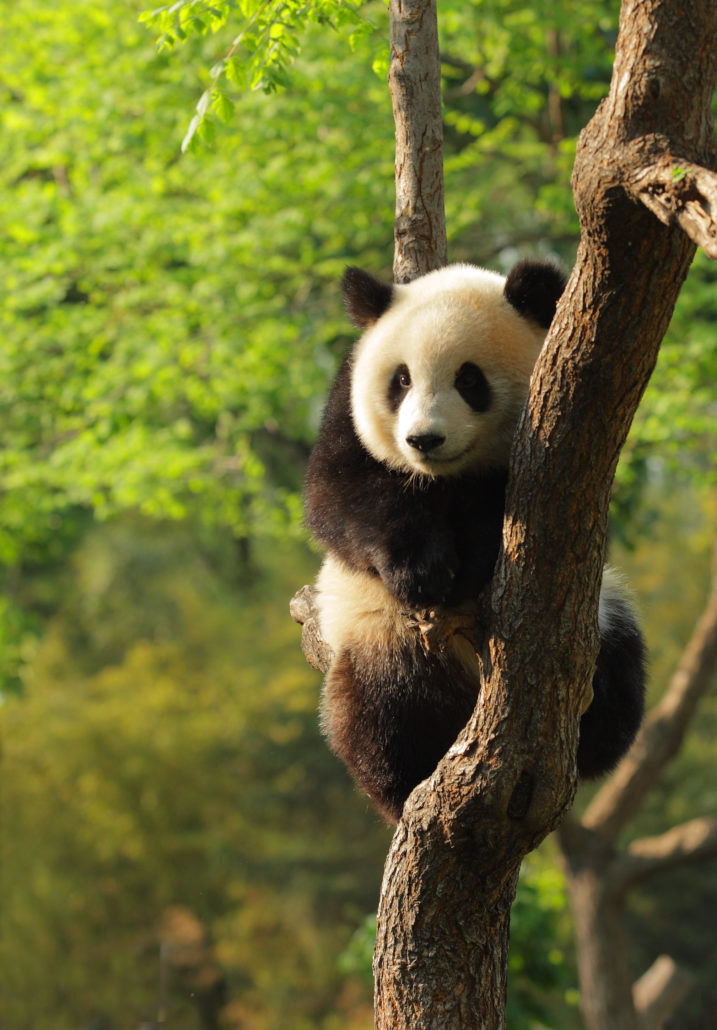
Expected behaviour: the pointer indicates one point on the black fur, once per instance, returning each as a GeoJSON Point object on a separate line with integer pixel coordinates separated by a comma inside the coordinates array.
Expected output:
{"type": "Point", "coordinates": [609, 726]}
{"type": "Point", "coordinates": [399, 714]}
{"type": "Point", "coordinates": [366, 297]}
{"type": "Point", "coordinates": [397, 387]}
{"type": "Point", "coordinates": [473, 386]}
{"type": "Point", "coordinates": [534, 288]}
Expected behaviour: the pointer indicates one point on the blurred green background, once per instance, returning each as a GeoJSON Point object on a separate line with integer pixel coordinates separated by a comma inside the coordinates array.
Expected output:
{"type": "Point", "coordinates": [178, 846]}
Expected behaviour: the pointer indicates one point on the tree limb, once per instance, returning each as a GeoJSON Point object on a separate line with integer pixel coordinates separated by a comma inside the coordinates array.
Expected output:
{"type": "Point", "coordinates": [659, 991]}
{"type": "Point", "coordinates": [680, 193]}
{"type": "Point", "coordinates": [693, 841]}
{"type": "Point", "coordinates": [303, 610]}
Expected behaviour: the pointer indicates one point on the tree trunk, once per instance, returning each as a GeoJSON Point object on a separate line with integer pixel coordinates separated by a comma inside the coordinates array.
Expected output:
{"type": "Point", "coordinates": [444, 888]}
{"type": "Point", "coordinates": [602, 950]}
{"type": "Point", "coordinates": [415, 83]}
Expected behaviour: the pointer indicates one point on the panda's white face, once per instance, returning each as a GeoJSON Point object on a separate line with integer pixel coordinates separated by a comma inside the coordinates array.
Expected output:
{"type": "Point", "coordinates": [439, 380]}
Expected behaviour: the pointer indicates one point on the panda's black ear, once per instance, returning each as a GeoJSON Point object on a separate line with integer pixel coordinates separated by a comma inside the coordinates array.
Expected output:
{"type": "Point", "coordinates": [366, 297]}
{"type": "Point", "coordinates": [534, 288]}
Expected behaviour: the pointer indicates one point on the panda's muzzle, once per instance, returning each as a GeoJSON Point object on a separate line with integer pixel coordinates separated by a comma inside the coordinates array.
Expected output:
{"type": "Point", "coordinates": [425, 442]}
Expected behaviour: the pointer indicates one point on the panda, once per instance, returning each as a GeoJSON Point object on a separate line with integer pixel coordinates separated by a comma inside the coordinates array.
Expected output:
{"type": "Point", "coordinates": [405, 491]}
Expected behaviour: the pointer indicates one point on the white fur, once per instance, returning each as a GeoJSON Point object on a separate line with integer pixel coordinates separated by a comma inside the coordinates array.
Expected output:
{"type": "Point", "coordinates": [434, 325]}
{"type": "Point", "coordinates": [616, 613]}
{"type": "Point", "coordinates": [354, 606]}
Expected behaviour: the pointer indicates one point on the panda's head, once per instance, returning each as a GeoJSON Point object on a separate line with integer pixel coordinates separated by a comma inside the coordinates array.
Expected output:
{"type": "Point", "coordinates": [442, 370]}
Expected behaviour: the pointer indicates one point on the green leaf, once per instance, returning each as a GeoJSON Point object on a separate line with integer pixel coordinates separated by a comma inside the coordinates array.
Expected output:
{"type": "Point", "coordinates": [222, 107]}
{"type": "Point", "coordinates": [206, 131]}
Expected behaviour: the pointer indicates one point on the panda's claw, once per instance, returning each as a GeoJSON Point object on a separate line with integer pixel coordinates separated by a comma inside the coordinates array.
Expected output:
{"type": "Point", "coordinates": [436, 626]}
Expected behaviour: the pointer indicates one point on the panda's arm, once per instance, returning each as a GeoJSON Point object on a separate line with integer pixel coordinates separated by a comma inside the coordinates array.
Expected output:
{"type": "Point", "coordinates": [362, 512]}
{"type": "Point", "coordinates": [477, 518]}
{"type": "Point", "coordinates": [415, 552]}
{"type": "Point", "coordinates": [443, 539]}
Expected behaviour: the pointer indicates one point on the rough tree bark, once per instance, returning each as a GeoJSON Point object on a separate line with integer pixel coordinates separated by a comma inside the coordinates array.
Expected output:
{"type": "Point", "coordinates": [415, 83]}
{"type": "Point", "coordinates": [449, 882]}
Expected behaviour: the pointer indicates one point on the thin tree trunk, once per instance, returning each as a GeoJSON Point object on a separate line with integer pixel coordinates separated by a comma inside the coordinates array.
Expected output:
{"type": "Point", "coordinates": [415, 84]}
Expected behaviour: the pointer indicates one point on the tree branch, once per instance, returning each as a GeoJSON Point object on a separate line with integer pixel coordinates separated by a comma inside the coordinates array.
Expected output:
{"type": "Point", "coordinates": [303, 610]}
{"type": "Point", "coordinates": [680, 193]}
{"type": "Point", "coordinates": [693, 841]}
{"type": "Point", "coordinates": [659, 991]}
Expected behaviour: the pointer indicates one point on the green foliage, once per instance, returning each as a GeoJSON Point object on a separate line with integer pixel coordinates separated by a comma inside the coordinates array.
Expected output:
{"type": "Point", "coordinates": [259, 56]}
{"type": "Point", "coordinates": [162, 345]}
{"type": "Point", "coordinates": [168, 326]}
{"type": "Point", "coordinates": [519, 84]}
{"type": "Point", "coordinates": [357, 957]}
{"type": "Point", "coordinates": [675, 426]}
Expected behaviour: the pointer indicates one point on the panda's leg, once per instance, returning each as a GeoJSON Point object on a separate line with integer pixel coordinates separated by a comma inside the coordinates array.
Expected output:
{"type": "Point", "coordinates": [608, 727]}
{"type": "Point", "coordinates": [391, 715]}
{"type": "Point", "coordinates": [359, 717]}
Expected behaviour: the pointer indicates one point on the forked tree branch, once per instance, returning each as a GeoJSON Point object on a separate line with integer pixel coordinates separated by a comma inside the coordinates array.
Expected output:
{"type": "Point", "coordinates": [441, 953]}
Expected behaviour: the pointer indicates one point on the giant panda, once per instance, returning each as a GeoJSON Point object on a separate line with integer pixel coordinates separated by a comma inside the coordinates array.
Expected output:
{"type": "Point", "coordinates": [405, 490]}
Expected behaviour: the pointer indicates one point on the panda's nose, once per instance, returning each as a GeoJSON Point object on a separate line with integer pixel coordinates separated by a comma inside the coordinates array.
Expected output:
{"type": "Point", "coordinates": [425, 442]}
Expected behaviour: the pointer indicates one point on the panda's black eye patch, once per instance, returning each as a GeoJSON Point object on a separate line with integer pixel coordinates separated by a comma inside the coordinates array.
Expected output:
{"type": "Point", "coordinates": [400, 383]}
{"type": "Point", "coordinates": [473, 386]}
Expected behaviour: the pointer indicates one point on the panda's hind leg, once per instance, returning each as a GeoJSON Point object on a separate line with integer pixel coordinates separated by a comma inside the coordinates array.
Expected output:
{"type": "Point", "coordinates": [391, 714]}
{"type": "Point", "coordinates": [608, 727]}
{"type": "Point", "coordinates": [356, 719]}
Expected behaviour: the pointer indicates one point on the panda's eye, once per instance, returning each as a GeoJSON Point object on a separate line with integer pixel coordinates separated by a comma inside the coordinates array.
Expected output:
{"type": "Point", "coordinates": [468, 376]}
{"type": "Point", "coordinates": [400, 383]}
{"type": "Point", "coordinates": [473, 386]}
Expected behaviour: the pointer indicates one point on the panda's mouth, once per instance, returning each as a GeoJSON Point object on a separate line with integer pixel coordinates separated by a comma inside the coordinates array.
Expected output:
{"type": "Point", "coordinates": [438, 464]}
